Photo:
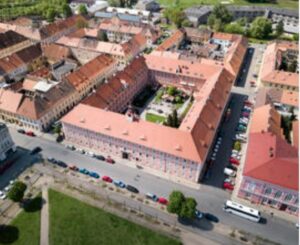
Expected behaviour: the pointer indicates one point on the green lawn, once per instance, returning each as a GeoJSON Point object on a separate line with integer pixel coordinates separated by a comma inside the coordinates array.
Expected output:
{"type": "Point", "coordinates": [154, 118]}
{"type": "Point", "coordinates": [188, 3]}
{"type": "Point", "coordinates": [25, 228]}
{"type": "Point", "coordinates": [73, 222]}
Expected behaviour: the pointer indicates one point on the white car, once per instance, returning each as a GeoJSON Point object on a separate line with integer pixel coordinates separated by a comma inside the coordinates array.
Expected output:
{"type": "Point", "coordinates": [7, 188]}
{"type": "Point", "coordinates": [242, 139]}
{"type": "Point", "coordinates": [90, 154]}
{"type": "Point", "coordinates": [2, 195]}
{"type": "Point", "coordinates": [236, 156]}
{"type": "Point", "coordinates": [229, 172]}
{"type": "Point", "coordinates": [236, 152]}
{"type": "Point", "coordinates": [230, 181]}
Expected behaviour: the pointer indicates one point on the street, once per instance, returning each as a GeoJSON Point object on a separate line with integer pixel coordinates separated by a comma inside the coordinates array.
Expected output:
{"type": "Point", "coordinates": [210, 196]}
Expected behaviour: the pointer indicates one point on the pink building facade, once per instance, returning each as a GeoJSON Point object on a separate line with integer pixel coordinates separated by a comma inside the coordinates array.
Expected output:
{"type": "Point", "coordinates": [274, 196]}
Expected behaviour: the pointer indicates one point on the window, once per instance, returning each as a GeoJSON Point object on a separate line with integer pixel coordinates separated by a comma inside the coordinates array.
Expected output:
{"type": "Point", "coordinates": [288, 197]}
{"type": "Point", "coordinates": [293, 209]}
{"type": "Point", "coordinates": [278, 194]}
{"type": "Point", "coordinates": [268, 191]}
{"type": "Point", "coordinates": [296, 201]}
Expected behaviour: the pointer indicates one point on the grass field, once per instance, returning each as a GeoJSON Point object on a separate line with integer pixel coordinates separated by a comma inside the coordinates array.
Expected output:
{"type": "Point", "coordinates": [154, 118]}
{"type": "Point", "coordinates": [25, 228]}
{"type": "Point", "coordinates": [188, 3]}
{"type": "Point", "coordinates": [74, 222]}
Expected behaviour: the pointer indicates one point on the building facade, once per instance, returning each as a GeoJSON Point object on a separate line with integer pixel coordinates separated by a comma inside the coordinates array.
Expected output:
{"type": "Point", "coordinates": [6, 142]}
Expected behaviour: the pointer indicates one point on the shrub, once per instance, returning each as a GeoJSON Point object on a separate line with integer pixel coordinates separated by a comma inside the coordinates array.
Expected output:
{"type": "Point", "coordinates": [16, 193]}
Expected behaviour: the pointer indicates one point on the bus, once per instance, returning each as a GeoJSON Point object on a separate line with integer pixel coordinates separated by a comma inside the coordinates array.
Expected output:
{"type": "Point", "coordinates": [242, 211]}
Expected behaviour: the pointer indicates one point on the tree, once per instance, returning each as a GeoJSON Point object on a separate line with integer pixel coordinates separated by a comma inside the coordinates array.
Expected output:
{"type": "Point", "coordinates": [81, 24]}
{"type": "Point", "coordinates": [234, 28]}
{"type": "Point", "coordinates": [242, 21]}
{"type": "Point", "coordinates": [175, 119]}
{"type": "Point", "coordinates": [261, 28]}
{"type": "Point", "coordinates": [292, 67]}
{"type": "Point", "coordinates": [50, 14]}
{"type": "Point", "coordinates": [237, 146]}
{"type": "Point", "coordinates": [102, 36]}
{"type": "Point", "coordinates": [175, 15]}
{"type": "Point", "coordinates": [222, 13]}
{"type": "Point", "coordinates": [188, 208]}
{"type": "Point", "coordinates": [218, 25]}
{"type": "Point", "coordinates": [296, 37]}
{"type": "Point", "coordinates": [279, 28]}
{"type": "Point", "coordinates": [171, 90]}
{"type": "Point", "coordinates": [176, 200]}
{"type": "Point", "coordinates": [186, 23]}
{"type": "Point", "coordinates": [211, 20]}
{"type": "Point", "coordinates": [66, 10]}
{"type": "Point", "coordinates": [82, 9]}
{"type": "Point", "coordinates": [17, 191]}
{"type": "Point", "coordinates": [114, 3]}
{"type": "Point", "coordinates": [169, 121]}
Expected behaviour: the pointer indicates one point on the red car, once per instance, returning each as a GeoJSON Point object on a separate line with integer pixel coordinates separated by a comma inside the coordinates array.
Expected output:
{"type": "Point", "coordinates": [73, 167]}
{"type": "Point", "coordinates": [107, 179]}
{"type": "Point", "coordinates": [248, 103]}
{"type": "Point", "coordinates": [162, 200]}
{"type": "Point", "coordinates": [245, 114]}
{"type": "Point", "coordinates": [109, 160]}
{"type": "Point", "coordinates": [228, 186]}
{"type": "Point", "coordinates": [234, 161]}
{"type": "Point", "coordinates": [30, 133]}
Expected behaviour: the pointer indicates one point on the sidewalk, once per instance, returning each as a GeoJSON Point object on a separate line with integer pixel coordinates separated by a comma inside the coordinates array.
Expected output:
{"type": "Point", "coordinates": [148, 170]}
{"type": "Point", "coordinates": [44, 230]}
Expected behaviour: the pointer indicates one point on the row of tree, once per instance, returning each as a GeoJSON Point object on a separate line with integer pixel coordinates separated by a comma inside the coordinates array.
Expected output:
{"type": "Point", "coordinates": [221, 20]}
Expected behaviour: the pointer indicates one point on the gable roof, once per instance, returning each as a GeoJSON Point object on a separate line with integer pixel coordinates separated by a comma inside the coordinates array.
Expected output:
{"type": "Point", "coordinates": [10, 38]}
{"type": "Point", "coordinates": [271, 159]}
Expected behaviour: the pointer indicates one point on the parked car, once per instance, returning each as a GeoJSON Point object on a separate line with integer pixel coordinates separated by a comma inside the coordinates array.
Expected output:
{"type": "Point", "coordinates": [90, 154]}
{"type": "Point", "coordinates": [198, 214]}
{"type": "Point", "coordinates": [109, 160]}
{"type": "Point", "coordinates": [119, 183]}
{"type": "Point", "coordinates": [162, 200]}
{"type": "Point", "coordinates": [247, 108]}
{"type": "Point", "coordinates": [35, 150]}
{"type": "Point", "coordinates": [2, 195]}
{"type": "Point", "coordinates": [30, 133]}
{"type": "Point", "coordinates": [241, 138]}
{"type": "Point", "coordinates": [236, 156]}
{"type": "Point", "coordinates": [99, 157]}
{"type": "Point", "coordinates": [81, 151]}
{"type": "Point", "coordinates": [229, 172]}
{"type": "Point", "coordinates": [245, 114]}
{"type": "Point", "coordinates": [230, 180]}
{"type": "Point", "coordinates": [61, 164]}
{"type": "Point", "coordinates": [231, 166]}
{"type": "Point", "coordinates": [234, 161]}
{"type": "Point", "coordinates": [228, 186]}
{"type": "Point", "coordinates": [107, 179]}
{"type": "Point", "coordinates": [71, 147]}
{"type": "Point", "coordinates": [252, 83]}
{"type": "Point", "coordinates": [132, 189]}
{"type": "Point", "coordinates": [51, 159]}
{"type": "Point", "coordinates": [248, 103]}
{"type": "Point", "coordinates": [21, 131]}
{"type": "Point", "coordinates": [211, 217]}
{"type": "Point", "coordinates": [73, 167]}
{"type": "Point", "coordinates": [94, 175]}
{"type": "Point", "coordinates": [84, 171]}
{"type": "Point", "coordinates": [151, 196]}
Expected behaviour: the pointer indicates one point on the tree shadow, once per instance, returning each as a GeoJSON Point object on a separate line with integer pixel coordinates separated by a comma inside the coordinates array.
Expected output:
{"type": "Point", "coordinates": [33, 204]}
{"type": "Point", "coordinates": [8, 234]}
{"type": "Point", "coordinates": [202, 224]}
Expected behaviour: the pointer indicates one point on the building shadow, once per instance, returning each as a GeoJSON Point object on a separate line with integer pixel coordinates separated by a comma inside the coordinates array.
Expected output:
{"type": "Point", "coordinates": [8, 234]}
{"type": "Point", "coordinates": [214, 175]}
{"type": "Point", "coordinates": [242, 76]}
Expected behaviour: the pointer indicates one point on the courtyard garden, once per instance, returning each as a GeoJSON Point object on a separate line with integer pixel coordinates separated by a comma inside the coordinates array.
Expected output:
{"type": "Point", "coordinates": [168, 107]}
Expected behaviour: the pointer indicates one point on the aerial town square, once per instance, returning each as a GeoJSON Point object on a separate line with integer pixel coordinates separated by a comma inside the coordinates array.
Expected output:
{"type": "Point", "coordinates": [149, 122]}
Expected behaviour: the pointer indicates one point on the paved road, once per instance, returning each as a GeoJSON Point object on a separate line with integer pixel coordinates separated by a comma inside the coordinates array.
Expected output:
{"type": "Point", "coordinates": [210, 198]}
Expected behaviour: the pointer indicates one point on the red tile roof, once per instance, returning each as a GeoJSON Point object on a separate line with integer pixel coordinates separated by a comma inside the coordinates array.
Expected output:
{"type": "Point", "coordinates": [271, 159]}
{"type": "Point", "coordinates": [54, 52]}
{"type": "Point", "coordinates": [174, 39]}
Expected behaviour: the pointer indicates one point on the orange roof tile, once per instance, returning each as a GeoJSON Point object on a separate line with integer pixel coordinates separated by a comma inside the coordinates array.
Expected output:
{"type": "Point", "coordinates": [174, 39]}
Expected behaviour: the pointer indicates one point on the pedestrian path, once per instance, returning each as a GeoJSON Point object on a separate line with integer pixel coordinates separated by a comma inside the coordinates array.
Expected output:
{"type": "Point", "coordinates": [44, 229]}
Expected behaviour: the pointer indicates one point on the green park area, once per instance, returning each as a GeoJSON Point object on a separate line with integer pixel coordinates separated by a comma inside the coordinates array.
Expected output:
{"type": "Point", "coordinates": [74, 222]}
{"type": "Point", "coordinates": [25, 228]}
{"type": "Point", "coordinates": [293, 4]}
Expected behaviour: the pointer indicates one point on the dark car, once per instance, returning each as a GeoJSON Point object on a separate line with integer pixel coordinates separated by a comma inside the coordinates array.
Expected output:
{"type": "Point", "coordinates": [94, 175]}
{"type": "Point", "coordinates": [35, 150]}
{"type": "Point", "coordinates": [211, 217]}
{"type": "Point", "coordinates": [99, 157]}
{"type": "Point", "coordinates": [61, 164]}
{"type": "Point", "coordinates": [231, 166]}
{"type": "Point", "coordinates": [132, 189]}
{"type": "Point", "coordinates": [21, 131]}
